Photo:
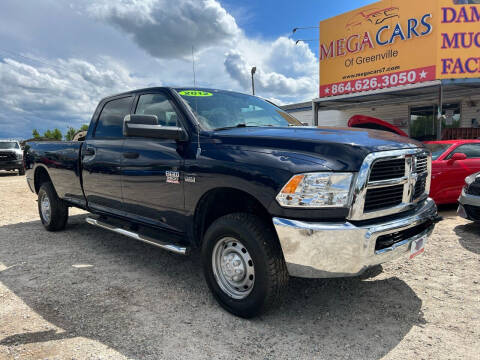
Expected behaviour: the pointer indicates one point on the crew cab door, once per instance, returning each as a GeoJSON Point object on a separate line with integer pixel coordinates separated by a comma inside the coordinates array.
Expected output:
{"type": "Point", "coordinates": [102, 155]}
{"type": "Point", "coordinates": [152, 168]}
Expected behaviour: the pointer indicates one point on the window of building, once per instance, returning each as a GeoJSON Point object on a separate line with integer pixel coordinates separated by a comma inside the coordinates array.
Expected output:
{"type": "Point", "coordinates": [110, 121]}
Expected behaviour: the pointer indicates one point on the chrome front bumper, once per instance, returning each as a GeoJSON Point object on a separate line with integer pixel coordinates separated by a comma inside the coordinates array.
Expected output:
{"type": "Point", "coordinates": [327, 250]}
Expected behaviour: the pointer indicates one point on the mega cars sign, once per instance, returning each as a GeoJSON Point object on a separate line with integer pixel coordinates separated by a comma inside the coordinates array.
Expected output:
{"type": "Point", "coordinates": [399, 42]}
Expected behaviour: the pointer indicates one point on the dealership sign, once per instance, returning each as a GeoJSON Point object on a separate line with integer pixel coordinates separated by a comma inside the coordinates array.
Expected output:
{"type": "Point", "coordinates": [399, 42]}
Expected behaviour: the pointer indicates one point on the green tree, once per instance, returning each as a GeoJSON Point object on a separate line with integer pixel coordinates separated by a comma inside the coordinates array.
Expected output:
{"type": "Point", "coordinates": [54, 134]}
{"type": "Point", "coordinates": [35, 134]}
{"type": "Point", "coordinates": [57, 134]}
{"type": "Point", "coordinates": [70, 134]}
{"type": "Point", "coordinates": [84, 127]}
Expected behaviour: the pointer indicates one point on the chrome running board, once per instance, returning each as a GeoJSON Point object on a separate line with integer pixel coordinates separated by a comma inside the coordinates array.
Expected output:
{"type": "Point", "coordinates": [169, 247]}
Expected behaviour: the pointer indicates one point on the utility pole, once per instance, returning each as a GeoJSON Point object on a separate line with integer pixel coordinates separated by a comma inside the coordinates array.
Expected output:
{"type": "Point", "coordinates": [254, 70]}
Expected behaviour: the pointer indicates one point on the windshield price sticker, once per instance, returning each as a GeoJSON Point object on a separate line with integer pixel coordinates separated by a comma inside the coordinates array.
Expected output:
{"type": "Point", "coordinates": [195, 93]}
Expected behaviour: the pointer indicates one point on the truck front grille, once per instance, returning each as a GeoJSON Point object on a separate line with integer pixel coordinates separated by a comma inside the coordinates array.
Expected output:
{"type": "Point", "coordinates": [420, 188]}
{"type": "Point", "coordinates": [390, 182]}
{"type": "Point", "coordinates": [382, 198]}
{"type": "Point", "coordinates": [7, 156]}
{"type": "Point", "coordinates": [391, 169]}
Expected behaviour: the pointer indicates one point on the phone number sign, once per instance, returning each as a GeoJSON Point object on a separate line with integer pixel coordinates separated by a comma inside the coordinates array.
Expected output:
{"type": "Point", "coordinates": [376, 82]}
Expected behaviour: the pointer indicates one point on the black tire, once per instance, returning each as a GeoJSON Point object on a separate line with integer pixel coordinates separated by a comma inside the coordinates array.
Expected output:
{"type": "Point", "coordinates": [58, 209]}
{"type": "Point", "coordinates": [271, 276]}
{"type": "Point", "coordinates": [21, 171]}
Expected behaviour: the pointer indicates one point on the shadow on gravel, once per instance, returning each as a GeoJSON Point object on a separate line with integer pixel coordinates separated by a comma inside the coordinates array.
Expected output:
{"type": "Point", "coordinates": [149, 304]}
{"type": "Point", "coordinates": [35, 337]}
{"type": "Point", "coordinates": [8, 173]}
{"type": "Point", "coordinates": [469, 236]}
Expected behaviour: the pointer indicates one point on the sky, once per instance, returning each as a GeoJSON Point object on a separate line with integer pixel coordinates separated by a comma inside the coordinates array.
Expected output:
{"type": "Point", "coordinates": [58, 58]}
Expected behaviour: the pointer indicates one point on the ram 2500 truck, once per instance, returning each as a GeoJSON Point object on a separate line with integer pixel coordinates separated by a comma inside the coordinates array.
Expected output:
{"type": "Point", "coordinates": [262, 197]}
{"type": "Point", "coordinates": [11, 156]}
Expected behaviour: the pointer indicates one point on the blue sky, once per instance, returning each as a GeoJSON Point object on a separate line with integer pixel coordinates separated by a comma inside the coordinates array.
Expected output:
{"type": "Point", "coordinates": [58, 58]}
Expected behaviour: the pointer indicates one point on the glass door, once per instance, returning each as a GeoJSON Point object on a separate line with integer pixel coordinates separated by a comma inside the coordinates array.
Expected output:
{"type": "Point", "coordinates": [422, 123]}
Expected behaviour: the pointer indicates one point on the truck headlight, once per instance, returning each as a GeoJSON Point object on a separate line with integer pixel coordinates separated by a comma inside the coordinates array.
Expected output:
{"type": "Point", "coordinates": [19, 156]}
{"type": "Point", "coordinates": [316, 190]}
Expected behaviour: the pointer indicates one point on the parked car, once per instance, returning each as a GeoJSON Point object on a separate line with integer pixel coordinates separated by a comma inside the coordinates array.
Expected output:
{"type": "Point", "coordinates": [11, 156]}
{"type": "Point", "coordinates": [469, 201]}
{"type": "Point", "coordinates": [452, 162]}
{"type": "Point", "coordinates": [239, 178]}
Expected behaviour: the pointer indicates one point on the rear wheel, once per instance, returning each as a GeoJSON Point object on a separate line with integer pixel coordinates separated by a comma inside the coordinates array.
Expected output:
{"type": "Point", "coordinates": [53, 210]}
{"type": "Point", "coordinates": [243, 264]}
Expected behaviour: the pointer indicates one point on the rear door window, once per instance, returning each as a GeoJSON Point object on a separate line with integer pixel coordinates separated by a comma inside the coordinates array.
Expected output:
{"type": "Point", "coordinates": [110, 121]}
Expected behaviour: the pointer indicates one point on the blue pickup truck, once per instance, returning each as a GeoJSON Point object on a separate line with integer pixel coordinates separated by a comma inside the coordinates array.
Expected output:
{"type": "Point", "coordinates": [260, 196]}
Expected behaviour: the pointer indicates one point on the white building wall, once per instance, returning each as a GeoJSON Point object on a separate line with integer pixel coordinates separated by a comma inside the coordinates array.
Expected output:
{"type": "Point", "coordinates": [394, 114]}
{"type": "Point", "coordinates": [470, 110]}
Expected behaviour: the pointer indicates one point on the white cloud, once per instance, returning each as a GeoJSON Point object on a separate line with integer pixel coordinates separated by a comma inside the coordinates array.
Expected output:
{"type": "Point", "coordinates": [149, 38]}
{"type": "Point", "coordinates": [56, 96]}
{"type": "Point", "coordinates": [167, 29]}
{"type": "Point", "coordinates": [268, 83]}
{"type": "Point", "coordinates": [285, 70]}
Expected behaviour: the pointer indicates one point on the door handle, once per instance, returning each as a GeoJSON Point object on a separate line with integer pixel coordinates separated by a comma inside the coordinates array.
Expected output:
{"type": "Point", "coordinates": [131, 155]}
{"type": "Point", "coordinates": [89, 151]}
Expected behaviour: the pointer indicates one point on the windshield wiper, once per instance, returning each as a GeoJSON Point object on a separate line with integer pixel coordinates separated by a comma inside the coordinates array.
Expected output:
{"type": "Point", "coordinates": [232, 127]}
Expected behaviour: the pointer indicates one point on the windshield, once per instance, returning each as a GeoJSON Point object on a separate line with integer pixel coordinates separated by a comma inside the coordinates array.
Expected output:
{"type": "Point", "coordinates": [437, 149]}
{"type": "Point", "coordinates": [218, 110]}
{"type": "Point", "coordinates": [9, 145]}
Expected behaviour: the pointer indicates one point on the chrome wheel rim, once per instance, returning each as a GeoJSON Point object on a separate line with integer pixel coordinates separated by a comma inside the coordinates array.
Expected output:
{"type": "Point", "coordinates": [233, 268]}
{"type": "Point", "coordinates": [45, 208]}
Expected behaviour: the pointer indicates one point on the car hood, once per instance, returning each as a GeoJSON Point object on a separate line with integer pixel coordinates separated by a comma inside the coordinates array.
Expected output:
{"type": "Point", "coordinates": [340, 149]}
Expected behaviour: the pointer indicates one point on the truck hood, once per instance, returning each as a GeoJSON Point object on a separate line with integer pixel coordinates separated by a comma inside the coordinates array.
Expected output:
{"type": "Point", "coordinates": [339, 149]}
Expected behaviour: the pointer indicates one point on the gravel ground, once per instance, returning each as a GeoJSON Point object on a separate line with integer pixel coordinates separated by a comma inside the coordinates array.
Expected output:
{"type": "Point", "coordinates": [85, 293]}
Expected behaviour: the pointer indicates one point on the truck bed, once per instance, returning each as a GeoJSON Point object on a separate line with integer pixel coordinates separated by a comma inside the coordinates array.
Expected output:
{"type": "Point", "coordinates": [62, 159]}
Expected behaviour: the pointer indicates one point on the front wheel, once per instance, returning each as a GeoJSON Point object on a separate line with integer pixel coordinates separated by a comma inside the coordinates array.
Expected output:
{"type": "Point", "coordinates": [53, 210]}
{"type": "Point", "coordinates": [243, 264]}
{"type": "Point", "coordinates": [21, 171]}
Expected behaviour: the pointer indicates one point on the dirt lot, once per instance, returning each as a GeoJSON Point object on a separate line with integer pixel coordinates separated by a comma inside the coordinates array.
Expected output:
{"type": "Point", "coordinates": [85, 293]}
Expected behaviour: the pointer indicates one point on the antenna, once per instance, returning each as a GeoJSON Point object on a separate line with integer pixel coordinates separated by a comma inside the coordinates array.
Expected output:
{"type": "Point", "coordinates": [199, 149]}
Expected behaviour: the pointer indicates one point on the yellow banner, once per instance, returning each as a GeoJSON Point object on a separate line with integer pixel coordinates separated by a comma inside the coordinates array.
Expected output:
{"type": "Point", "coordinates": [399, 42]}
{"type": "Point", "coordinates": [458, 44]}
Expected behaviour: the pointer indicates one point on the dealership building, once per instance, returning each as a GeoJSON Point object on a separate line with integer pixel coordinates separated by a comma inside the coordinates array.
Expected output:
{"type": "Point", "coordinates": [404, 108]}
{"type": "Point", "coordinates": [414, 65]}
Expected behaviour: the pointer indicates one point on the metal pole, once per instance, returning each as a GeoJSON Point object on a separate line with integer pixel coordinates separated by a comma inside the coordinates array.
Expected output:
{"type": "Point", "coordinates": [254, 69]}
{"type": "Point", "coordinates": [315, 113]}
{"type": "Point", "coordinates": [440, 112]}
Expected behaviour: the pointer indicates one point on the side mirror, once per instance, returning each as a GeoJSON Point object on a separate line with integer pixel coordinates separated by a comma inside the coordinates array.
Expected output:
{"type": "Point", "coordinates": [147, 126]}
{"type": "Point", "coordinates": [457, 157]}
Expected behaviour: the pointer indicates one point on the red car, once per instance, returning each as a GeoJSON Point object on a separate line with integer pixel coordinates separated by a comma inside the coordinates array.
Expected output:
{"type": "Point", "coordinates": [452, 162]}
